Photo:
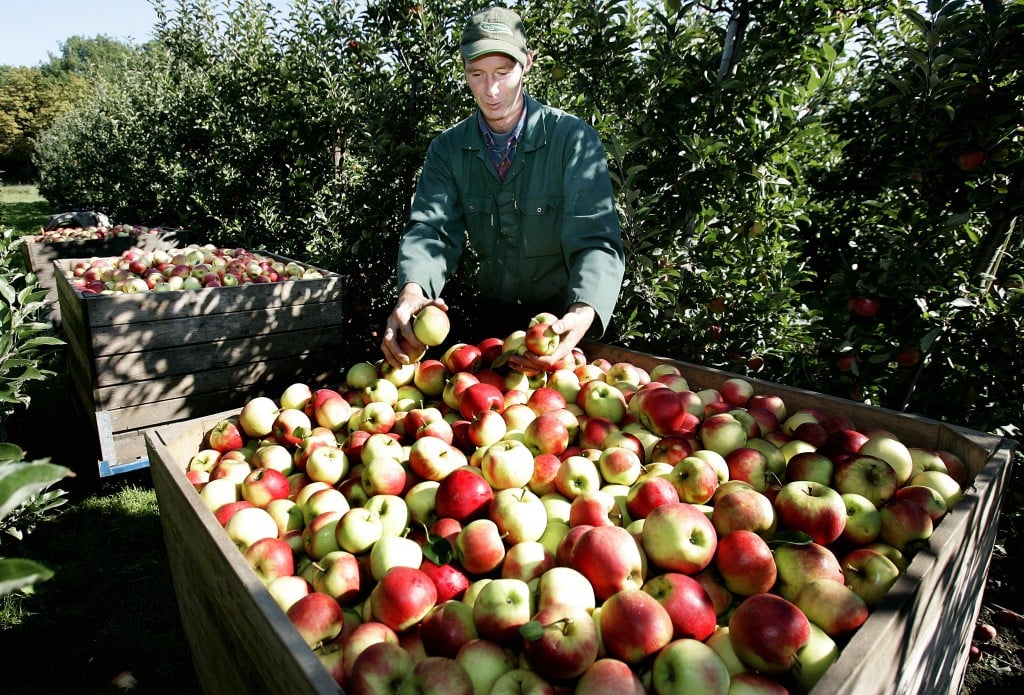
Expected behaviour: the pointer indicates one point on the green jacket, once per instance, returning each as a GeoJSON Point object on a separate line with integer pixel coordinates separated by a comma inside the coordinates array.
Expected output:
{"type": "Point", "coordinates": [548, 234]}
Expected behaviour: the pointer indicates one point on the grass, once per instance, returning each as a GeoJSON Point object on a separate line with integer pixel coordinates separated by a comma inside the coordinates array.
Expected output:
{"type": "Point", "coordinates": [25, 210]}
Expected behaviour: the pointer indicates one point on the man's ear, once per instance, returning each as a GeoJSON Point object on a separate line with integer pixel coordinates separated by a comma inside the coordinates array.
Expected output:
{"type": "Point", "coordinates": [529, 62]}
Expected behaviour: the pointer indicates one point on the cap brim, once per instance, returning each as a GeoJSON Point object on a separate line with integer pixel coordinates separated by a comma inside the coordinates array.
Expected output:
{"type": "Point", "coordinates": [484, 46]}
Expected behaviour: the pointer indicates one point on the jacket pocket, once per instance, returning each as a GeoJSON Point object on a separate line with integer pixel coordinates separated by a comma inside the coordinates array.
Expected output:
{"type": "Point", "coordinates": [481, 223]}
{"type": "Point", "coordinates": [541, 225]}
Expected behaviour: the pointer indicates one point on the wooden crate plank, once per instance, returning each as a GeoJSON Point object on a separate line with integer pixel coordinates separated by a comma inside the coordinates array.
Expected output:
{"type": "Point", "coordinates": [241, 641]}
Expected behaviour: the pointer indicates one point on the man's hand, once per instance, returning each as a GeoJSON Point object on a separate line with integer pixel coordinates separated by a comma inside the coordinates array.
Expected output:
{"type": "Point", "coordinates": [400, 345]}
{"type": "Point", "coordinates": [571, 328]}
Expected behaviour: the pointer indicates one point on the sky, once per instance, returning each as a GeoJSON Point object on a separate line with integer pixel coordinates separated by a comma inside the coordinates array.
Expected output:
{"type": "Point", "coordinates": [30, 30]}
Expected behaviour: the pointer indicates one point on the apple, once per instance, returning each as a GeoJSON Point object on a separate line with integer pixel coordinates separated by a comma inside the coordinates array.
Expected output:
{"type": "Point", "coordinates": [287, 589]}
{"type": "Point", "coordinates": [834, 607]}
{"type": "Point", "coordinates": [263, 485]}
{"type": "Point", "coordinates": [431, 325]}
{"type": "Point", "coordinates": [620, 465]}
{"type": "Point", "coordinates": [326, 500]}
{"type": "Point", "coordinates": [560, 642]}
{"type": "Point", "coordinates": [646, 495]}
{"type": "Point", "coordinates": [355, 642]}
{"type": "Point", "coordinates": [926, 496]}
{"type": "Point", "coordinates": [521, 681]}
{"type": "Point", "coordinates": [609, 557]}
{"type": "Point", "coordinates": [722, 433]}
{"type": "Point", "coordinates": [905, 525]}
{"type": "Point", "coordinates": [451, 582]}
{"type": "Point", "coordinates": [742, 507]}
{"type": "Point", "coordinates": [519, 514]}
{"type": "Point", "coordinates": [597, 508]}
{"type": "Point", "coordinates": [545, 470]}
{"type": "Point", "coordinates": [257, 416]}
{"type": "Point", "coordinates": [893, 452]}
{"type": "Point", "coordinates": [380, 667]}
{"type": "Point", "coordinates": [319, 536]}
{"type": "Point", "coordinates": [941, 482]}
{"type": "Point", "coordinates": [608, 676]}
{"type": "Point", "coordinates": [598, 398]}
{"type": "Point", "coordinates": [567, 586]}
{"type": "Point", "coordinates": [435, 675]}
{"type": "Point", "coordinates": [402, 597]}
{"type": "Point", "coordinates": [501, 608]}
{"type": "Point", "coordinates": [341, 576]}
{"type": "Point", "coordinates": [462, 357]}
{"type": "Point", "coordinates": [745, 562]}
{"type": "Point", "coordinates": [463, 494]}
{"type": "Point", "coordinates": [327, 463]}
{"type": "Point", "coordinates": [547, 434]}
{"type": "Point", "coordinates": [753, 683]}
{"type": "Point", "coordinates": [358, 530]}
{"type": "Point", "coordinates": [863, 522]}
{"type": "Point", "coordinates": [246, 526]}
{"type": "Point", "coordinates": [577, 474]}
{"type": "Point", "coordinates": [800, 564]}
{"type": "Point", "coordinates": [665, 411]}
{"type": "Point", "coordinates": [394, 551]}
{"type": "Point", "coordinates": [541, 339]}
{"type": "Point", "coordinates": [810, 465]}
{"type": "Point", "coordinates": [479, 547]}
{"type": "Point", "coordinates": [694, 479]}
{"type": "Point", "coordinates": [232, 468]}
{"type": "Point", "coordinates": [224, 512]}
{"type": "Point", "coordinates": [689, 666]}
{"type": "Point", "coordinates": [432, 458]}
{"type": "Point", "coordinates": [317, 617]}
{"type": "Point", "coordinates": [865, 475]}
{"type": "Point", "coordinates": [687, 603]}
{"type": "Point", "coordinates": [226, 435]}
{"type": "Point", "coordinates": [204, 460]}
{"type": "Point", "coordinates": [447, 627]}
{"type": "Point", "coordinates": [634, 625]}
{"type": "Point", "coordinates": [679, 537]}
{"type": "Point", "coordinates": [216, 493]}
{"type": "Point", "coordinates": [814, 658]}
{"type": "Point", "coordinates": [290, 426]}
{"type": "Point", "coordinates": [507, 464]}
{"type": "Point", "coordinates": [870, 574]}
{"type": "Point", "coordinates": [813, 508]}
{"type": "Point", "coordinates": [485, 661]}
{"type": "Point", "coordinates": [487, 428]}
{"type": "Point", "coordinates": [767, 631]}
{"type": "Point", "coordinates": [270, 558]}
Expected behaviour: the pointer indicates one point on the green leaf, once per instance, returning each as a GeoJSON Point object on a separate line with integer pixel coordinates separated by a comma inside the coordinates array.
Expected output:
{"type": "Point", "coordinates": [16, 574]}
{"type": "Point", "coordinates": [11, 452]}
{"type": "Point", "coordinates": [20, 481]}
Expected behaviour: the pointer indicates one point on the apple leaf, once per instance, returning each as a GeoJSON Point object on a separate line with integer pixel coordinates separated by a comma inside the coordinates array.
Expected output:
{"type": "Point", "coordinates": [438, 551]}
{"type": "Point", "coordinates": [531, 631]}
{"type": "Point", "coordinates": [16, 574]}
{"type": "Point", "coordinates": [790, 537]}
{"type": "Point", "coordinates": [20, 481]}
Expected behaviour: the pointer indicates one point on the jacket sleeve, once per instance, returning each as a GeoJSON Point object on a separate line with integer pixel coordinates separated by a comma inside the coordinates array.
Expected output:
{"type": "Point", "coordinates": [591, 239]}
{"type": "Point", "coordinates": [433, 241]}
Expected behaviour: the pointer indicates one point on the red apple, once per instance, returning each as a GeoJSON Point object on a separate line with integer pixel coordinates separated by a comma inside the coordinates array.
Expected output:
{"type": "Point", "coordinates": [634, 625]}
{"type": "Point", "coordinates": [746, 563]}
{"type": "Point", "coordinates": [767, 631]}
{"type": "Point", "coordinates": [687, 603]}
{"type": "Point", "coordinates": [609, 557]}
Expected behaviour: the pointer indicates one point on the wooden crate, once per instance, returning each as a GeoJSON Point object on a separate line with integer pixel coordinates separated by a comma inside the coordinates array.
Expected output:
{"type": "Point", "coordinates": [39, 256]}
{"type": "Point", "coordinates": [151, 358]}
{"type": "Point", "coordinates": [916, 641]}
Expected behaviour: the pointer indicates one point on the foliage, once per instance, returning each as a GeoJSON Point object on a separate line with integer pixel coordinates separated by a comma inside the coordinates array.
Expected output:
{"type": "Point", "coordinates": [771, 162]}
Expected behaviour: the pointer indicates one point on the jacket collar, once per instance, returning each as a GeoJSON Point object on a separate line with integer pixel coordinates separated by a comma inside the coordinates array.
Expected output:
{"type": "Point", "coordinates": [534, 135]}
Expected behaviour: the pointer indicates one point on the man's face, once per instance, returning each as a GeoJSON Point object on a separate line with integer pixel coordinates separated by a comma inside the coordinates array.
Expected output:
{"type": "Point", "coordinates": [496, 81]}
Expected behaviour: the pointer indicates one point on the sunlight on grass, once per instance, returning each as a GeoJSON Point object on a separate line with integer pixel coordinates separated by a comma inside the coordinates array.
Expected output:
{"type": "Point", "coordinates": [25, 210]}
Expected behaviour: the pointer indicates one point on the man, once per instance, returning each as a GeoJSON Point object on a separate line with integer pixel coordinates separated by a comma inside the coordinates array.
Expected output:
{"type": "Point", "coordinates": [527, 187]}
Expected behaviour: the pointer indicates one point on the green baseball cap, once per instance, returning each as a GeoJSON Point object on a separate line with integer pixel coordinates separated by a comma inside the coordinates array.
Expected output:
{"type": "Point", "coordinates": [494, 30]}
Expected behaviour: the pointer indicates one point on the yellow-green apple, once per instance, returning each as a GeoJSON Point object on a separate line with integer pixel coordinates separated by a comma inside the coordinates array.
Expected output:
{"type": "Point", "coordinates": [276, 456]}
{"type": "Point", "coordinates": [290, 426]}
{"type": "Point", "coordinates": [866, 475]}
{"type": "Point", "coordinates": [892, 451]}
{"type": "Point", "coordinates": [384, 476]}
{"type": "Point", "coordinates": [767, 631]}
{"type": "Point", "coordinates": [595, 508]}
{"type": "Point", "coordinates": [598, 398]}
{"type": "Point", "coordinates": [462, 357]}
{"type": "Point", "coordinates": [204, 460]}
{"type": "Point", "coordinates": [634, 625]}
{"type": "Point", "coordinates": [576, 475]}
{"type": "Point", "coordinates": [507, 464]}
{"type": "Point", "coordinates": [941, 482]}
{"type": "Point", "coordinates": [380, 667]}
{"type": "Point", "coordinates": [722, 433]}
{"type": "Point", "coordinates": [463, 495]}
{"type": "Point", "coordinates": [567, 586]}
{"type": "Point", "coordinates": [810, 465]}
{"type": "Point", "coordinates": [546, 399]}
{"type": "Point", "coordinates": [379, 445]}
{"type": "Point", "coordinates": [815, 509]}
{"type": "Point", "coordinates": [263, 485]}
{"type": "Point", "coordinates": [393, 512]}
{"type": "Point", "coordinates": [905, 525]}
{"type": "Point", "coordinates": [521, 681]}
{"type": "Point", "coordinates": [687, 603]}
{"type": "Point", "coordinates": [619, 464]}
{"type": "Point", "coordinates": [609, 557]}
{"type": "Point", "coordinates": [541, 339]}
{"type": "Point", "coordinates": [863, 522]}
{"type": "Point", "coordinates": [722, 644]}
{"type": "Point", "coordinates": [800, 564]}
{"type": "Point", "coordinates": [688, 666]}
{"type": "Point", "coordinates": [402, 597]}
{"type": "Point", "coordinates": [814, 658]}
{"type": "Point", "coordinates": [560, 642]}
{"type": "Point", "coordinates": [378, 416]}
{"type": "Point", "coordinates": [479, 547]}
{"type": "Point", "coordinates": [216, 493]}
{"type": "Point", "coordinates": [431, 325]}
{"type": "Point", "coordinates": [358, 530]}
{"type": "Point", "coordinates": [608, 676]}
{"type": "Point", "coordinates": [270, 558]}
{"type": "Point", "coordinates": [546, 434]}
{"type": "Point", "coordinates": [870, 574]}
{"type": "Point", "coordinates": [800, 416]}
{"type": "Point", "coordinates": [716, 460]}
{"type": "Point", "coordinates": [432, 458]}
{"type": "Point", "coordinates": [554, 532]}
{"type": "Point", "coordinates": [327, 408]}
{"type": "Point", "coordinates": [360, 375]}
{"type": "Point", "coordinates": [327, 463]}
{"type": "Point", "coordinates": [234, 469]}
{"type": "Point", "coordinates": [694, 479]}
{"type": "Point", "coordinates": [257, 416]}
{"type": "Point", "coordinates": [430, 376]}
{"type": "Point", "coordinates": [226, 435]}
{"type": "Point", "coordinates": [517, 417]}
{"type": "Point", "coordinates": [328, 499]}
{"type": "Point", "coordinates": [487, 428]}
{"type": "Point", "coordinates": [317, 437]}
{"type": "Point", "coordinates": [501, 608]}
{"type": "Point", "coordinates": [287, 589]}
{"type": "Point", "coordinates": [248, 525]}
{"type": "Point", "coordinates": [319, 536]}
{"type": "Point", "coordinates": [566, 383]}
{"type": "Point", "coordinates": [420, 499]}
{"type": "Point", "coordinates": [317, 617]}
{"type": "Point", "coordinates": [519, 514]}
{"type": "Point", "coordinates": [485, 661]}
{"type": "Point", "coordinates": [296, 395]}
{"type": "Point", "coordinates": [754, 683]}
{"type": "Point", "coordinates": [400, 376]}
{"type": "Point", "coordinates": [926, 496]}
{"type": "Point", "coordinates": [679, 537]}
{"type": "Point", "coordinates": [834, 607]}
{"type": "Point", "coordinates": [361, 636]}
{"type": "Point", "coordinates": [742, 507]}
{"type": "Point", "coordinates": [647, 494]}
{"type": "Point", "coordinates": [746, 563]}
{"type": "Point", "coordinates": [394, 551]}
{"type": "Point", "coordinates": [340, 575]}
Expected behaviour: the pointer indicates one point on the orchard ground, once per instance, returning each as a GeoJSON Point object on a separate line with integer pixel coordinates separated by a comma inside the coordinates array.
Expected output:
{"type": "Point", "coordinates": [110, 609]}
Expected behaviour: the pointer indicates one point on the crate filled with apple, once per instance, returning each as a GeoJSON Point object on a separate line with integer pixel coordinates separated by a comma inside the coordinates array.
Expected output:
{"type": "Point", "coordinates": [625, 523]}
{"type": "Point", "coordinates": [40, 251]}
{"type": "Point", "coordinates": [145, 351]}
